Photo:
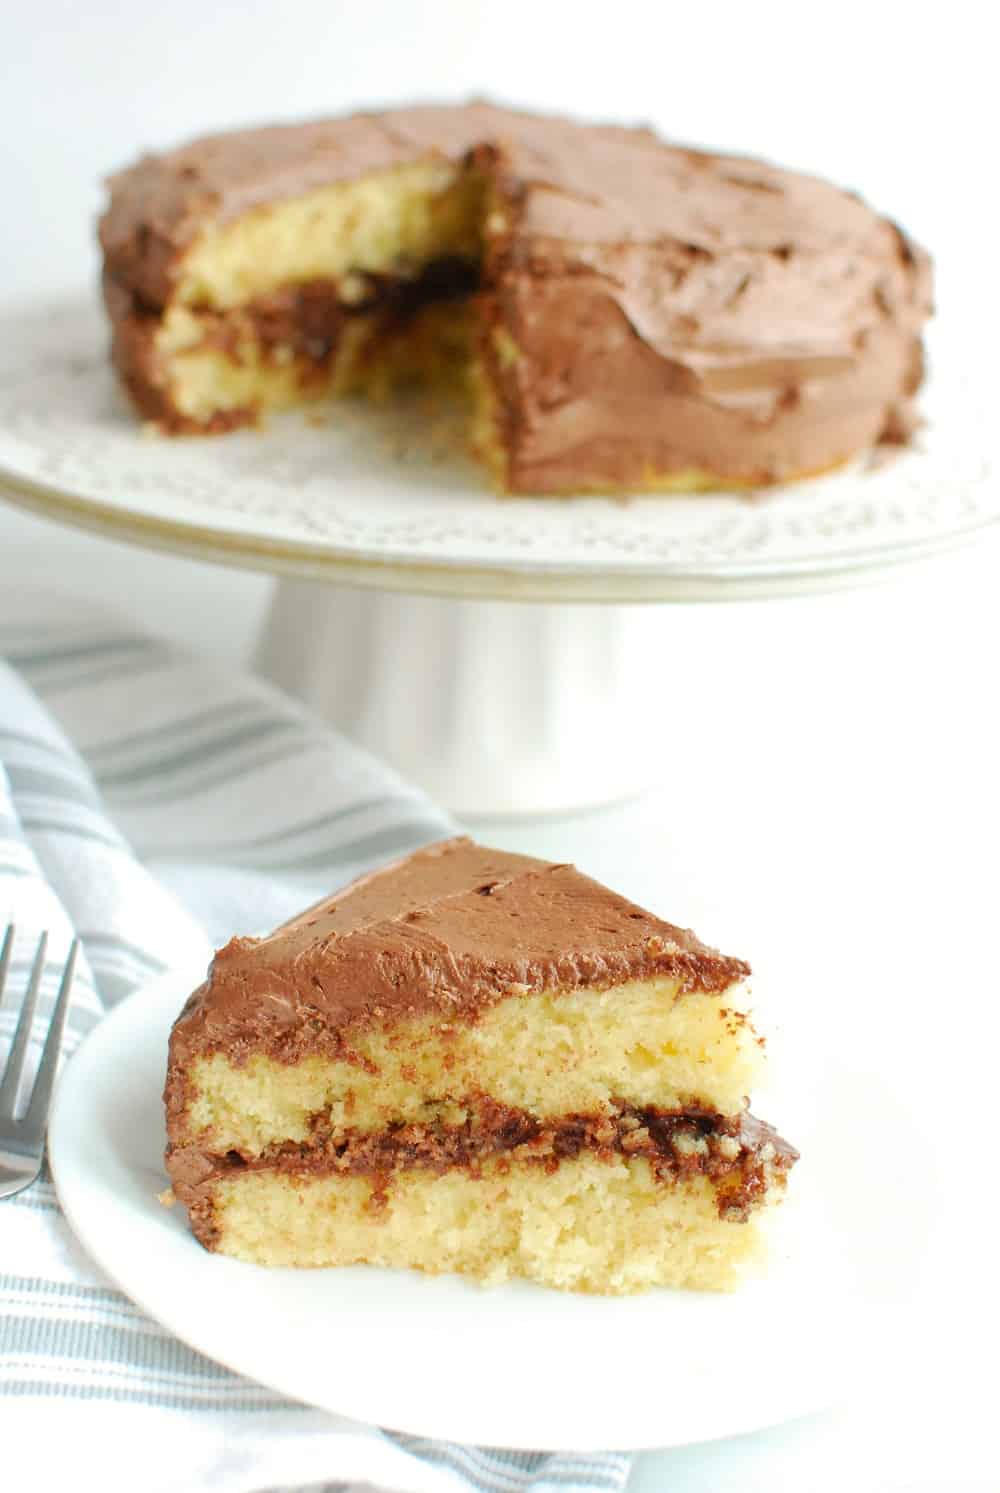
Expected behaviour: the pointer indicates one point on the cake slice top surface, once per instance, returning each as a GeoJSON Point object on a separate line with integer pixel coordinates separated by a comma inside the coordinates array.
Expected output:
{"type": "Point", "coordinates": [450, 930]}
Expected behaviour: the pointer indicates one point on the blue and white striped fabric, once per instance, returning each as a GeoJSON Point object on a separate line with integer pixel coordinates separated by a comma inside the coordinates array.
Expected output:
{"type": "Point", "coordinates": [151, 805]}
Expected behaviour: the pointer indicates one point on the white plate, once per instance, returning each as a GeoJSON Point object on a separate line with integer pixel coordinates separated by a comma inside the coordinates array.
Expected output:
{"type": "Point", "coordinates": [352, 501]}
{"type": "Point", "coordinates": [517, 1365]}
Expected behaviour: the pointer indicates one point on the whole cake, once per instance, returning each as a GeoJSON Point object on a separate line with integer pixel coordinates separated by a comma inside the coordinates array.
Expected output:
{"type": "Point", "coordinates": [480, 1062]}
{"type": "Point", "coordinates": [626, 314]}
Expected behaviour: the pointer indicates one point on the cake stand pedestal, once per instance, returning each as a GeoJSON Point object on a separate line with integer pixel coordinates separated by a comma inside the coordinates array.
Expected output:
{"type": "Point", "coordinates": [491, 649]}
{"type": "Point", "coordinates": [493, 707]}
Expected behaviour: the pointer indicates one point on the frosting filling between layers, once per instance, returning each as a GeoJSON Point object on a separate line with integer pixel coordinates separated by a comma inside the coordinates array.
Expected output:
{"type": "Point", "coordinates": [740, 1155]}
{"type": "Point", "coordinates": [307, 319]}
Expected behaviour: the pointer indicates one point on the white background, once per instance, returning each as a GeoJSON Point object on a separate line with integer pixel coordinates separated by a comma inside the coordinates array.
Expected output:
{"type": "Point", "coordinates": [829, 805]}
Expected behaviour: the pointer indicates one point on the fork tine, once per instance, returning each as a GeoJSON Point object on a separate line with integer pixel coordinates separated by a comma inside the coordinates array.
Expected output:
{"type": "Point", "coordinates": [19, 1047]}
{"type": "Point", "coordinates": [34, 1119]}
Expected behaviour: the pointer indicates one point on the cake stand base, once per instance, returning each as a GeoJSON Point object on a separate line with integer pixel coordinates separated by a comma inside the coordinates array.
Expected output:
{"type": "Point", "coordinates": [494, 708]}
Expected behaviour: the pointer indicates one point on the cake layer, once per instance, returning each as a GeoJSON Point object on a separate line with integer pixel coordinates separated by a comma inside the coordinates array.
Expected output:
{"type": "Point", "coordinates": [582, 1051]}
{"type": "Point", "coordinates": [383, 222]}
{"type": "Point", "coordinates": [590, 1224]}
{"type": "Point", "coordinates": [459, 971]}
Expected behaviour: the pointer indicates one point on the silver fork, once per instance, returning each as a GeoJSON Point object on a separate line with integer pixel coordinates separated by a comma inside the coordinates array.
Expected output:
{"type": "Point", "coordinates": [22, 1139]}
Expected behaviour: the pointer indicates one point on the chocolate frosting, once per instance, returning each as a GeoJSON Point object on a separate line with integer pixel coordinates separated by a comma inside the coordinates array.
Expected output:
{"type": "Point", "coordinates": [674, 310]}
{"type": "Point", "coordinates": [677, 1144]}
{"type": "Point", "coordinates": [451, 930]}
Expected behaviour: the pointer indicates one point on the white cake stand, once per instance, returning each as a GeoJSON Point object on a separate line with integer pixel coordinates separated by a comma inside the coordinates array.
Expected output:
{"type": "Point", "coordinates": [418, 612]}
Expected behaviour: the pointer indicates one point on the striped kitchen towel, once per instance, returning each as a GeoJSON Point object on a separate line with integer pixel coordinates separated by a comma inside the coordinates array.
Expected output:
{"type": "Point", "coordinates": [151, 804]}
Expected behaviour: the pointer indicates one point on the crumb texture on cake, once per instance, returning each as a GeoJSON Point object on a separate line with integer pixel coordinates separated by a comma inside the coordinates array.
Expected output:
{"type": "Point", "coordinates": [577, 1052]}
{"type": "Point", "coordinates": [643, 315]}
{"type": "Point", "coordinates": [591, 1225]}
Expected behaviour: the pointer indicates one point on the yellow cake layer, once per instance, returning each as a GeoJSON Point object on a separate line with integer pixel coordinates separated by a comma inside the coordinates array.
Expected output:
{"type": "Point", "coordinates": [406, 216]}
{"type": "Point", "coordinates": [551, 1054]}
{"type": "Point", "coordinates": [203, 379]}
{"type": "Point", "coordinates": [592, 1225]}
{"type": "Point", "coordinates": [485, 431]}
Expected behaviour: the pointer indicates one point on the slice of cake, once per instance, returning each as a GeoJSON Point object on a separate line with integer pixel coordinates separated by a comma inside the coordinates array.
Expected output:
{"type": "Point", "coordinates": [480, 1062]}
{"type": "Point", "coordinates": [626, 314]}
